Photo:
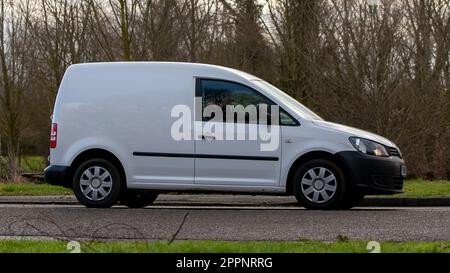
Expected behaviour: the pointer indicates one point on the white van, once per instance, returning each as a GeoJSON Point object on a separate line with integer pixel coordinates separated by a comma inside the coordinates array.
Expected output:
{"type": "Point", "coordinates": [124, 132]}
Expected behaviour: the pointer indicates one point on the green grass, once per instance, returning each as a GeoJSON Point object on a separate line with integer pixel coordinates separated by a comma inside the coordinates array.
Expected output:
{"type": "Point", "coordinates": [10, 246]}
{"type": "Point", "coordinates": [33, 163]}
{"type": "Point", "coordinates": [424, 188]}
{"type": "Point", "coordinates": [28, 163]}
{"type": "Point", "coordinates": [29, 189]}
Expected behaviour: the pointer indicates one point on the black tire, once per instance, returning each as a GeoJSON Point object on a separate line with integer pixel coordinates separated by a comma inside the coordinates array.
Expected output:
{"type": "Point", "coordinates": [352, 199]}
{"type": "Point", "coordinates": [138, 199]}
{"type": "Point", "coordinates": [336, 198]}
{"type": "Point", "coordinates": [114, 179]}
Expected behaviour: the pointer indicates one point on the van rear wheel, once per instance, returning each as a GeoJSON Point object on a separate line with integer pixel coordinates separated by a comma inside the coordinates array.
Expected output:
{"type": "Point", "coordinates": [138, 199]}
{"type": "Point", "coordinates": [320, 184]}
{"type": "Point", "coordinates": [97, 183]}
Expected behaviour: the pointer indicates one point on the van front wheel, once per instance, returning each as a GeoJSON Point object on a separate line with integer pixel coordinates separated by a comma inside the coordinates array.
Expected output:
{"type": "Point", "coordinates": [319, 184]}
{"type": "Point", "coordinates": [138, 199]}
{"type": "Point", "coordinates": [97, 184]}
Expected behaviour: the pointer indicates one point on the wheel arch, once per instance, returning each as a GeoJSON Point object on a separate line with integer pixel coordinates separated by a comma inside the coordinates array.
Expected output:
{"type": "Point", "coordinates": [310, 156]}
{"type": "Point", "coordinates": [99, 153]}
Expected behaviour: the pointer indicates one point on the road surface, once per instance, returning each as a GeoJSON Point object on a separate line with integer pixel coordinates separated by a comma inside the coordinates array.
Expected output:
{"type": "Point", "coordinates": [222, 222]}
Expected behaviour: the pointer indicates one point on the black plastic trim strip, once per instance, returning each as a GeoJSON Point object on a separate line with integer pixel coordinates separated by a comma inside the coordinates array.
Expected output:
{"type": "Point", "coordinates": [236, 157]}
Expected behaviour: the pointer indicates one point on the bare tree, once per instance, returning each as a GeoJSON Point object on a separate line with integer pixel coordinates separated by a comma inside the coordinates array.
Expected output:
{"type": "Point", "coordinates": [199, 27]}
{"type": "Point", "coordinates": [113, 27]}
{"type": "Point", "coordinates": [245, 46]}
{"type": "Point", "coordinates": [380, 66]}
{"type": "Point", "coordinates": [160, 29]}
{"type": "Point", "coordinates": [59, 31]}
{"type": "Point", "coordinates": [15, 60]}
{"type": "Point", "coordinates": [294, 28]}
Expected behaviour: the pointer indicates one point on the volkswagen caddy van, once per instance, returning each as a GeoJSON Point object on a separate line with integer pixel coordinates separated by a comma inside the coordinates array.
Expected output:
{"type": "Point", "coordinates": [124, 132]}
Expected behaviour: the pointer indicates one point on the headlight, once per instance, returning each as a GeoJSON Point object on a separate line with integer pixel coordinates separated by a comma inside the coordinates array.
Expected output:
{"type": "Point", "coordinates": [368, 147]}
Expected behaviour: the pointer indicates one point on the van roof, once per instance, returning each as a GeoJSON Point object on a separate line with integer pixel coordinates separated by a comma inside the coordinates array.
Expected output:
{"type": "Point", "coordinates": [191, 67]}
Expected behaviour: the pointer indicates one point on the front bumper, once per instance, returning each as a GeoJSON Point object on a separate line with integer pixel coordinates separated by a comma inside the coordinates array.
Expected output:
{"type": "Point", "coordinates": [374, 175]}
{"type": "Point", "coordinates": [58, 175]}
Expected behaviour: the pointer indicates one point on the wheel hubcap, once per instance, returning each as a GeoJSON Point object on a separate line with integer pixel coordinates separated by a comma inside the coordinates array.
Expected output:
{"type": "Point", "coordinates": [96, 183]}
{"type": "Point", "coordinates": [319, 185]}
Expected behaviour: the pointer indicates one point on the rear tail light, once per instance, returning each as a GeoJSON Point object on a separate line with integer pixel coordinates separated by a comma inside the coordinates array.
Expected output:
{"type": "Point", "coordinates": [54, 136]}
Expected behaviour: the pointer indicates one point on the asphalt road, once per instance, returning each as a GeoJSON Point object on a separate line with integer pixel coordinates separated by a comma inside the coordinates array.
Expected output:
{"type": "Point", "coordinates": [164, 222]}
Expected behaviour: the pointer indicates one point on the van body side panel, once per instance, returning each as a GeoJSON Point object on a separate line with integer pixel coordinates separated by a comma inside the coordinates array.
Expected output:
{"type": "Point", "coordinates": [125, 111]}
{"type": "Point", "coordinates": [298, 141]}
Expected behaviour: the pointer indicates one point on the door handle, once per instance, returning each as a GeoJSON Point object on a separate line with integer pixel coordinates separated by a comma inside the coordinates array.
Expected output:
{"type": "Point", "coordinates": [206, 137]}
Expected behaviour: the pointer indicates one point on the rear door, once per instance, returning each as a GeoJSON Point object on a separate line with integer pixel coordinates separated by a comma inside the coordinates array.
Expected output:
{"type": "Point", "coordinates": [227, 152]}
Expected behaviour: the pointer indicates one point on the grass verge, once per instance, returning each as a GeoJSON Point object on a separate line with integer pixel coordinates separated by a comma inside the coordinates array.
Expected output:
{"type": "Point", "coordinates": [425, 188]}
{"type": "Point", "coordinates": [29, 189]}
{"type": "Point", "coordinates": [18, 246]}
{"type": "Point", "coordinates": [33, 163]}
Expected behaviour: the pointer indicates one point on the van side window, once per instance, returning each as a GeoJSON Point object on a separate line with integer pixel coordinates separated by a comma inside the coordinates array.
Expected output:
{"type": "Point", "coordinates": [286, 119]}
{"type": "Point", "coordinates": [222, 94]}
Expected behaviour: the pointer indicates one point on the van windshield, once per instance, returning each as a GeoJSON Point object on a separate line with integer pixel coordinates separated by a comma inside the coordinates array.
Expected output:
{"type": "Point", "coordinates": [292, 103]}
